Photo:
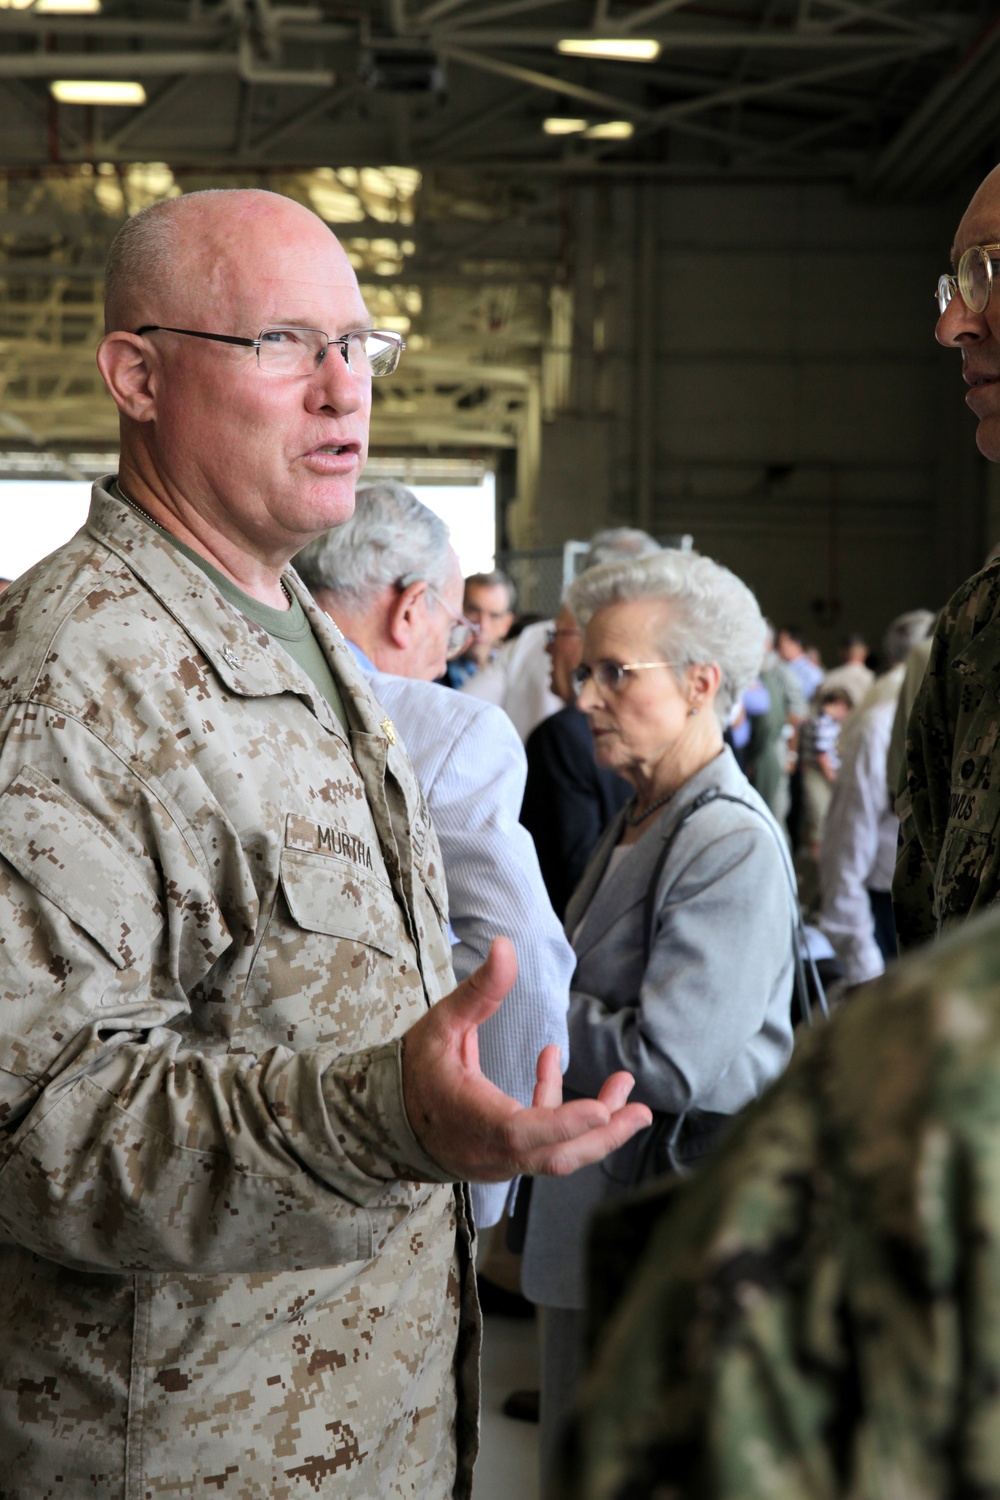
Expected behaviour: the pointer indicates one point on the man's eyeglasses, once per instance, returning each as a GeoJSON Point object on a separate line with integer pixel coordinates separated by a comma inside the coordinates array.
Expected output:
{"type": "Point", "coordinates": [301, 351]}
{"type": "Point", "coordinates": [461, 632]}
{"type": "Point", "coordinates": [611, 675]}
{"type": "Point", "coordinates": [973, 280]}
{"type": "Point", "coordinates": [496, 615]}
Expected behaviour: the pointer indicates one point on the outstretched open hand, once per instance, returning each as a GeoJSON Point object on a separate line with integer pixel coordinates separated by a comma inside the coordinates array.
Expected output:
{"type": "Point", "coordinates": [478, 1133]}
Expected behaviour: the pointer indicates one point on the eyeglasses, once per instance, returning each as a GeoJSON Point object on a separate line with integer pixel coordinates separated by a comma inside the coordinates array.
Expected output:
{"type": "Point", "coordinates": [973, 280]}
{"type": "Point", "coordinates": [496, 615]}
{"type": "Point", "coordinates": [461, 632]}
{"type": "Point", "coordinates": [611, 675]}
{"type": "Point", "coordinates": [301, 351]}
{"type": "Point", "coordinates": [553, 635]}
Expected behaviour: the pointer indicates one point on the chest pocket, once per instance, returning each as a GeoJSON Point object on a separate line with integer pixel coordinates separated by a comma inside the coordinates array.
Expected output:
{"type": "Point", "coordinates": [65, 854]}
{"type": "Point", "coordinates": [335, 883]}
{"type": "Point", "coordinates": [969, 846]}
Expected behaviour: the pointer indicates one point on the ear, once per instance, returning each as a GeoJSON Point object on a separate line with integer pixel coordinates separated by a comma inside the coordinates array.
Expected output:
{"type": "Point", "coordinates": [406, 614]}
{"type": "Point", "coordinates": [702, 684]}
{"type": "Point", "coordinates": [123, 361]}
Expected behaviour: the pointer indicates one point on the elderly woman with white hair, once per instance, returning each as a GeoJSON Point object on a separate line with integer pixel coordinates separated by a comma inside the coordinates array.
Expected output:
{"type": "Point", "coordinates": [683, 924]}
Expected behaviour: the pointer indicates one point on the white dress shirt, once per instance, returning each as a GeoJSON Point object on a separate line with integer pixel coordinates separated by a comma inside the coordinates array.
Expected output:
{"type": "Point", "coordinates": [858, 852]}
{"type": "Point", "coordinates": [471, 768]}
{"type": "Point", "coordinates": [518, 679]}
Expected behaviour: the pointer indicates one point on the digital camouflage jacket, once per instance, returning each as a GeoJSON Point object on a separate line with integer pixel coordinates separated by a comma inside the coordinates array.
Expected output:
{"type": "Point", "coordinates": [226, 1267]}
{"type": "Point", "coordinates": [816, 1315]}
{"type": "Point", "coordinates": [949, 805]}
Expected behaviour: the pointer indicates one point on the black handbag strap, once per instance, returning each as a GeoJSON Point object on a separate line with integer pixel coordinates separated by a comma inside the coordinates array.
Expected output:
{"type": "Point", "coordinates": [799, 944]}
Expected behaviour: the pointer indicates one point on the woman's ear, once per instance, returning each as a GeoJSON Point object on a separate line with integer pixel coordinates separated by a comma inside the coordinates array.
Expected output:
{"type": "Point", "coordinates": [406, 614]}
{"type": "Point", "coordinates": [125, 369]}
{"type": "Point", "coordinates": [703, 681]}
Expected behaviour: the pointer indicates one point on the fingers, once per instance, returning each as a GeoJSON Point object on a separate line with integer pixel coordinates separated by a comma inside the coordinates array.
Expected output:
{"type": "Point", "coordinates": [615, 1090]}
{"type": "Point", "coordinates": [476, 998]}
{"type": "Point", "coordinates": [548, 1075]}
{"type": "Point", "coordinates": [592, 1145]}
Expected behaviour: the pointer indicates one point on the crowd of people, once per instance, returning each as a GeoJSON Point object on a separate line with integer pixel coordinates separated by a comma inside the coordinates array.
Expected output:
{"type": "Point", "coordinates": [340, 918]}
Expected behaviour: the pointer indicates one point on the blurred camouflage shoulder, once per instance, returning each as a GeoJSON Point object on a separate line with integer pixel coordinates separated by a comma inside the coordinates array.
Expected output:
{"type": "Point", "coordinates": [948, 864]}
{"type": "Point", "coordinates": [817, 1314]}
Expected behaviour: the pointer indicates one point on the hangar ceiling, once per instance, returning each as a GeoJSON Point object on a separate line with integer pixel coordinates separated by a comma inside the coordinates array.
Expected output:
{"type": "Point", "coordinates": [417, 128]}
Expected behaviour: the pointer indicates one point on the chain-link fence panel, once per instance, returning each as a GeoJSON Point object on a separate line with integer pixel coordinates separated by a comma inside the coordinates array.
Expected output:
{"type": "Point", "coordinates": [542, 574]}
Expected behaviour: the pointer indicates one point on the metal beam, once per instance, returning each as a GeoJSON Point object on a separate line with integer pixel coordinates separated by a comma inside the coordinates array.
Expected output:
{"type": "Point", "coordinates": [679, 40]}
{"type": "Point", "coordinates": [546, 81]}
{"type": "Point", "coordinates": [847, 12]}
{"type": "Point", "coordinates": [437, 10]}
{"type": "Point", "coordinates": [649, 13]}
{"type": "Point", "coordinates": [156, 65]}
{"type": "Point", "coordinates": [509, 8]}
{"type": "Point", "coordinates": [305, 116]}
{"type": "Point", "coordinates": [765, 89]}
{"type": "Point", "coordinates": [478, 120]}
{"type": "Point", "coordinates": [19, 428]}
{"type": "Point", "coordinates": [152, 111]}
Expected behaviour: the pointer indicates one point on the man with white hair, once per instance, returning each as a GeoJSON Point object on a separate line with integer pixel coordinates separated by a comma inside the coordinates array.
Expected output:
{"type": "Point", "coordinates": [518, 679]}
{"type": "Point", "coordinates": [391, 581]}
{"type": "Point", "coordinates": [858, 851]}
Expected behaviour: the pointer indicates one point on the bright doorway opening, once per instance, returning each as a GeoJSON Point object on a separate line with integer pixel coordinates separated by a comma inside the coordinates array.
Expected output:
{"type": "Point", "coordinates": [38, 515]}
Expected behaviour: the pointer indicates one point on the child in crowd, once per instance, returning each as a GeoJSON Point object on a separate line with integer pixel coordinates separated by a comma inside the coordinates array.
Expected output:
{"type": "Point", "coordinates": [821, 731]}
{"type": "Point", "coordinates": [820, 763]}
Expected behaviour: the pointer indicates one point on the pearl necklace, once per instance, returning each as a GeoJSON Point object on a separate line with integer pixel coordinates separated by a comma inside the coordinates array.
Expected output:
{"type": "Point", "coordinates": [134, 505]}
{"type": "Point", "coordinates": [632, 820]}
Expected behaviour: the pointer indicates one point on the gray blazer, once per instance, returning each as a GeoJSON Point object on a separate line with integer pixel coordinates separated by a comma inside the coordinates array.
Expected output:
{"type": "Point", "coordinates": [703, 1022]}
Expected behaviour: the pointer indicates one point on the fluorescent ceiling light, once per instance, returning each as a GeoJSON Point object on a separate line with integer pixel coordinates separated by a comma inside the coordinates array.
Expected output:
{"type": "Point", "coordinates": [616, 48]}
{"type": "Point", "coordinates": [562, 125]}
{"type": "Point", "coordinates": [97, 91]}
{"type": "Point", "coordinates": [67, 7]}
{"type": "Point", "coordinates": [611, 130]}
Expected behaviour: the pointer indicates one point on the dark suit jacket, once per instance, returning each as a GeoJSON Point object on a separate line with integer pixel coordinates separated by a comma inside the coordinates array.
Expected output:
{"type": "Point", "coordinates": [568, 800]}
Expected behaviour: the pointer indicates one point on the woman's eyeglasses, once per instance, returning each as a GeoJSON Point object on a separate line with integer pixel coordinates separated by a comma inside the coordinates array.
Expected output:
{"type": "Point", "coordinates": [611, 675]}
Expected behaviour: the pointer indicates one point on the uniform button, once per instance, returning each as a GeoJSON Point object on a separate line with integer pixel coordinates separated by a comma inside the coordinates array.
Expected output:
{"type": "Point", "coordinates": [968, 766]}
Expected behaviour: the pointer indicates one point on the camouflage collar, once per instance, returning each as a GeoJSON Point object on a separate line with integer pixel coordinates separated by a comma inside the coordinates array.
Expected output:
{"type": "Point", "coordinates": [239, 651]}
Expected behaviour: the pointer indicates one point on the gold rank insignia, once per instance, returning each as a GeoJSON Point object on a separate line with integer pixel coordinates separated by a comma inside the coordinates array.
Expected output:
{"type": "Point", "coordinates": [389, 730]}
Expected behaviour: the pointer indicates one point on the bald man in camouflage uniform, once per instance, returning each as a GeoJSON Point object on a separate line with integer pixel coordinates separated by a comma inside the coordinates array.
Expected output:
{"type": "Point", "coordinates": [236, 1088]}
{"type": "Point", "coordinates": [816, 1316]}
{"type": "Point", "coordinates": [949, 805]}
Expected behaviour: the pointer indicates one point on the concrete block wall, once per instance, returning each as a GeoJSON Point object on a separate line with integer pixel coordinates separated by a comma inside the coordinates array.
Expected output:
{"type": "Point", "coordinates": [756, 365]}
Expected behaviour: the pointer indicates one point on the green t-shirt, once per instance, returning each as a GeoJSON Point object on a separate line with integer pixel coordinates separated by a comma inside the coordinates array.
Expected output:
{"type": "Point", "coordinates": [289, 627]}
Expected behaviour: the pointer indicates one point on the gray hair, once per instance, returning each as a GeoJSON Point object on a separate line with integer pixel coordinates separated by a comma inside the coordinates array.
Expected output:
{"type": "Point", "coordinates": [145, 251]}
{"type": "Point", "coordinates": [617, 542]}
{"type": "Point", "coordinates": [390, 536]}
{"type": "Point", "coordinates": [141, 254]}
{"type": "Point", "coordinates": [713, 618]}
{"type": "Point", "coordinates": [905, 632]}
{"type": "Point", "coordinates": [496, 579]}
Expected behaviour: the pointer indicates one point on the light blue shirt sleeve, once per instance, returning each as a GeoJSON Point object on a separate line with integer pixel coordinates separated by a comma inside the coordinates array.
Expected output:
{"type": "Point", "coordinates": [471, 766]}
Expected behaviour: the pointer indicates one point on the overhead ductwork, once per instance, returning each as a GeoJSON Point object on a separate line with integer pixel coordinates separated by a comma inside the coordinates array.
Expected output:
{"type": "Point", "coordinates": [943, 138]}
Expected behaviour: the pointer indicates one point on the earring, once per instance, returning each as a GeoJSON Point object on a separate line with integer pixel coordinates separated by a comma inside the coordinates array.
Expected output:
{"type": "Point", "coordinates": [692, 710]}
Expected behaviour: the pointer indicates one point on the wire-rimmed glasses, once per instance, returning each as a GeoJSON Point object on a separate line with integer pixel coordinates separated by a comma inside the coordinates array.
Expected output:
{"type": "Point", "coordinates": [611, 675]}
{"type": "Point", "coordinates": [973, 280]}
{"type": "Point", "coordinates": [300, 351]}
{"type": "Point", "coordinates": [461, 632]}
